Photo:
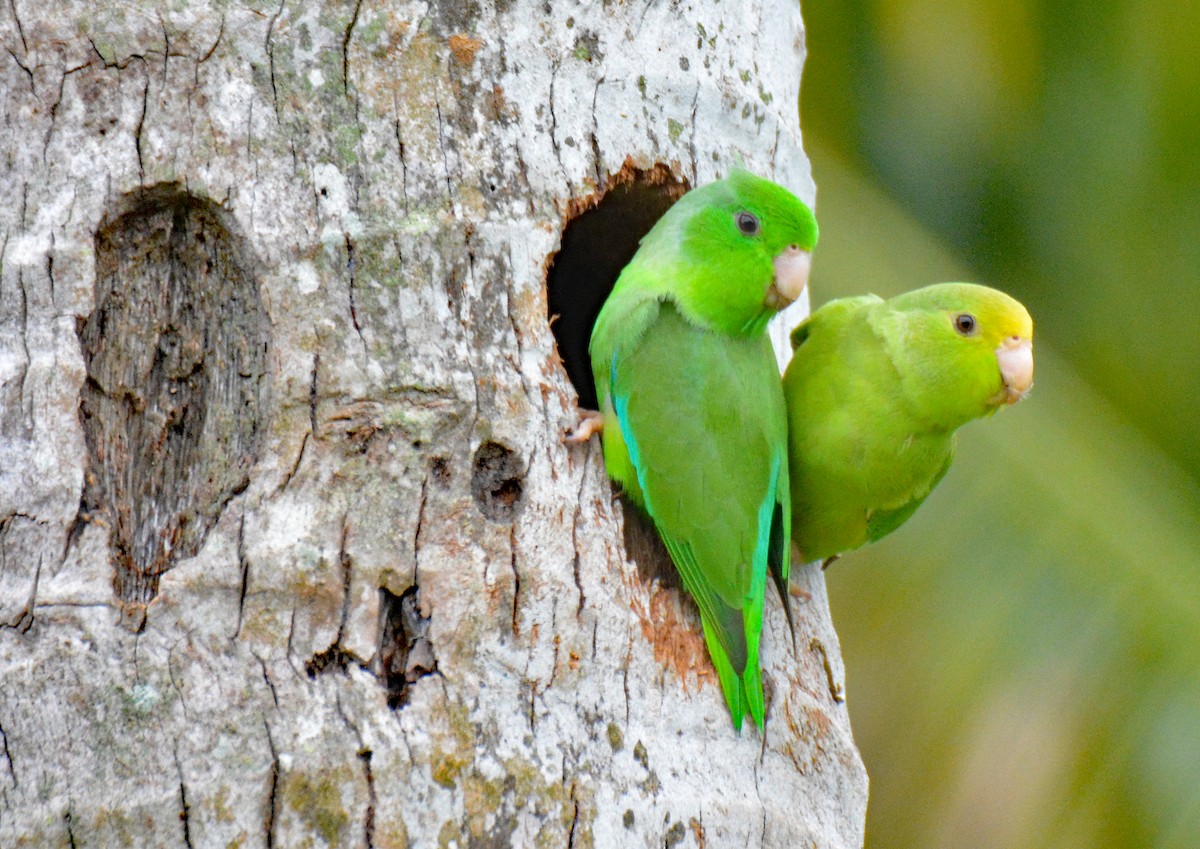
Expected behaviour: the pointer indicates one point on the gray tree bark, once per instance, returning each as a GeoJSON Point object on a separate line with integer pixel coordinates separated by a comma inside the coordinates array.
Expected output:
{"type": "Point", "coordinates": [292, 552]}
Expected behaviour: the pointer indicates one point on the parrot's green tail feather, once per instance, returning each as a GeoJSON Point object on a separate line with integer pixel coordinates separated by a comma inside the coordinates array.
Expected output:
{"type": "Point", "coordinates": [752, 688]}
{"type": "Point", "coordinates": [731, 682]}
{"type": "Point", "coordinates": [743, 693]}
{"type": "Point", "coordinates": [752, 692]}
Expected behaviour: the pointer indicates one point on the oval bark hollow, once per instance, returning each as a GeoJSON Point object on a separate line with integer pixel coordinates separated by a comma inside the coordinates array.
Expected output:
{"type": "Point", "coordinates": [175, 351]}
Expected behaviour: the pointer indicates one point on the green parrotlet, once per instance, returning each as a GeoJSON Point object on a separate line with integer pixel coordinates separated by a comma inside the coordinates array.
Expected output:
{"type": "Point", "coordinates": [691, 405]}
{"type": "Point", "coordinates": [875, 392]}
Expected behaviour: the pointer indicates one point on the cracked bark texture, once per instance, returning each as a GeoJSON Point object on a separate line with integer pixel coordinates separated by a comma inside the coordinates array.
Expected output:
{"type": "Point", "coordinates": [410, 617]}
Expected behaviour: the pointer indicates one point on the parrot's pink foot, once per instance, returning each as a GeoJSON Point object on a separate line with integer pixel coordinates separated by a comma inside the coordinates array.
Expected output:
{"type": "Point", "coordinates": [590, 422]}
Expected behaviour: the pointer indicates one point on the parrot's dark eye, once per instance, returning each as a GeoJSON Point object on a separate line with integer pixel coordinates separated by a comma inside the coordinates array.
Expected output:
{"type": "Point", "coordinates": [964, 323]}
{"type": "Point", "coordinates": [747, 223]}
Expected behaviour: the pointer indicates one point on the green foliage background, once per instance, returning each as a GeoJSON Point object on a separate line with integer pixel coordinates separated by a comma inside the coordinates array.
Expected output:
{"type": "Point", "coordinates": [1023, 657]}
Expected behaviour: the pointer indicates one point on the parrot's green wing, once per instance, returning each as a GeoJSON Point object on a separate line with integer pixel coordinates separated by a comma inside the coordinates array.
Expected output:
{"type": "Point", "coordinates": [834, 312]}
{"type": "Point", "coordinates": [883, 522]}
{"type": "Point", "coordinates": [702, 418]}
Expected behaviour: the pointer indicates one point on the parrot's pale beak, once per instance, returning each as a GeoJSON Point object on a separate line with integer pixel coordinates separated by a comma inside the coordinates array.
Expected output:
{"type": "Point", "coordinates": [791, 276]}
{"type": "Point", "coordinates": [1015, 356]}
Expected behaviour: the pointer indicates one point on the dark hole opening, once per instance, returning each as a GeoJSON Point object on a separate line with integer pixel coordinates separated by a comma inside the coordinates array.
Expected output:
{"type": "Point", "coordinates": [600, 238]}
{"type": "Point", "coordinates": [496, 481]}
{"type": "Point", "coordinates": [405, 652]}
{"type": "Point", "coordinates": [645, 548]}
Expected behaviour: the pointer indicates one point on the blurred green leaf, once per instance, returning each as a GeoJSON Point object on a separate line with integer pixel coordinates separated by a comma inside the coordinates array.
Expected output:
{"type": "Point", "coordinates": [1023, 656]}
{"type": "Point", "coordinates": [1054, 143]}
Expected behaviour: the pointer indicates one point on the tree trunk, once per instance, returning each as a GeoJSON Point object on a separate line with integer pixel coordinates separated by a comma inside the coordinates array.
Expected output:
{"type": "Point", "coordinates": [291, 549]}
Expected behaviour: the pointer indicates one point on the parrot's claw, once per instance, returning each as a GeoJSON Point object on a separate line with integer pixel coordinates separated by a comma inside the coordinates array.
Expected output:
{"type": "Point", "coordinates": [829, 561]}
{"type": "Point", "coordinates": [590, 422]}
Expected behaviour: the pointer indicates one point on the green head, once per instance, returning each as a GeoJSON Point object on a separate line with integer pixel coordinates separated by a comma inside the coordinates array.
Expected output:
{"type": "Point", "coordinates": [732, 253]}
{"type": "Point", "coordinates": [963, 350]}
